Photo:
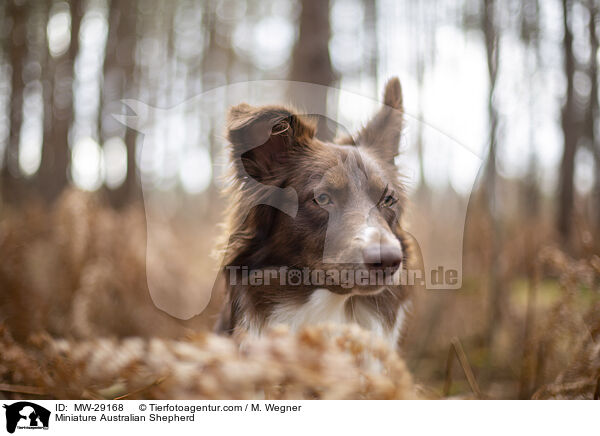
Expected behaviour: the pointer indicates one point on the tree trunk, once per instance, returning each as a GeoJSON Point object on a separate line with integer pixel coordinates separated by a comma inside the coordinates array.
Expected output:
{"type": "Point", "coordinates": [490, 31]}
{"type": "Point", "coordinates": [371, 42]}
{"type": "Point", "coordinates": [53, 177]}
{"type": "Point", "coordinates": [569, 126]}
{"type": "Point", "coordinates": [311, 62]}
{"type": "Point", "coordinates": [593, 115]}
{"type": "Point", "coordinates": [213, 66]}
{"type": "Point", "coordinates": [119, 71]}
{"type": "Point", "coordinates": [17, 52]}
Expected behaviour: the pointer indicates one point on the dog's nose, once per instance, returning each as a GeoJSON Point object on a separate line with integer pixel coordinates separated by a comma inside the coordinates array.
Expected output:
{"type": "Point", "coordinates": [382, 257]}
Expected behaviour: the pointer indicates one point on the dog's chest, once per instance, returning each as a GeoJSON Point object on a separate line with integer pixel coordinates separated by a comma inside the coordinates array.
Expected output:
{"type": "Point", "coordinates": [324, 306]}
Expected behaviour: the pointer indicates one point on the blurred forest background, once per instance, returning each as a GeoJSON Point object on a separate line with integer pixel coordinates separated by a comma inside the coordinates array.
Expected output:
{"type": "Point", "coordinates": [516, 81]}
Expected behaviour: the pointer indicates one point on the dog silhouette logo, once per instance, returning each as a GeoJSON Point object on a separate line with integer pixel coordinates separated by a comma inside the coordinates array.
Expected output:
{"type": "Point", "coordinates": [26, 415]}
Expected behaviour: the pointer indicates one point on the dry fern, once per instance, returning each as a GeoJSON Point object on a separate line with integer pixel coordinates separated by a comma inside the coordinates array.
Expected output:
{"type": "Point", "coordinates": [569, 332]}
{"type": "Point", "coordinates": [77, 321]}
{"type": "Point", "coordinates": [324, 362]}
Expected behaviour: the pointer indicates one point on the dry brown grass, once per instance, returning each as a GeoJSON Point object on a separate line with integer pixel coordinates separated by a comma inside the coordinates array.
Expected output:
{"type": "Point", "coordinates": [324, 362]}
{"type": "Point", "coordinates": [76, 321]}
{"type": "Point", "coordinates": [568, 340]}
{"type": "Point", "coordinates": [546, 338]}
{"type": "Point", "coordinates": [79, 271]}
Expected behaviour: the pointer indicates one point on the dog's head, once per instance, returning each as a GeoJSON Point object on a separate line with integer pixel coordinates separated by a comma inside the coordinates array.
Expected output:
{"type": "Point", "coordinates": [349, 195]}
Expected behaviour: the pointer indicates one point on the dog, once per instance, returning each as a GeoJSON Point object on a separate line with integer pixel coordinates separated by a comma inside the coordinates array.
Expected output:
{"type": "Point", "coordinates": [314, 227]}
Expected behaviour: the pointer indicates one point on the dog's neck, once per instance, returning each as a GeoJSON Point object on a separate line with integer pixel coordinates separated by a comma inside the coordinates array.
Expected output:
{"type": "Point", "coordinates": [324, 306]}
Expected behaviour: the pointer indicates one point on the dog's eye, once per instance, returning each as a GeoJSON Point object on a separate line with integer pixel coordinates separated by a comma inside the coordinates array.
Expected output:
{"type": "Point", "coordinates": [388, 201]}
{"type": "Point", "coordinates": [323, 200]}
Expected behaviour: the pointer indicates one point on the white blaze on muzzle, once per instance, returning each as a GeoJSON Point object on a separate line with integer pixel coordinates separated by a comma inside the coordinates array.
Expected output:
{"type": "Point", "coordinates": [345, 249]}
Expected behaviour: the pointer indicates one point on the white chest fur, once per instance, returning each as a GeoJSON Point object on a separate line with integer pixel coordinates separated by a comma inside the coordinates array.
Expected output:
{"type": "Point", "coordinates": [324, 306]}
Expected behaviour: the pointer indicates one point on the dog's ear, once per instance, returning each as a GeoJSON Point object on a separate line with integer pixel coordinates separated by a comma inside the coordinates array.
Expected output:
{"type": "Point", "coordinates": [264, 138]}
{"type": "Point", "coordinates": [382, 133]}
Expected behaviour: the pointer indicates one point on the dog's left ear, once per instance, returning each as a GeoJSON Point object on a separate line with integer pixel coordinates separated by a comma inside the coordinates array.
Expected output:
{"type": "Point", "coordinates": [263, 139]}
{"type": "Point", "coordinates": [382, 133]}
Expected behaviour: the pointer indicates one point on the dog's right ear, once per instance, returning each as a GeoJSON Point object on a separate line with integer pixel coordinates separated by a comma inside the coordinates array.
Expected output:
{"type": "Point", "coordinates": [382, 133]}
{"type": "Point", "coordinates": [264, 138]}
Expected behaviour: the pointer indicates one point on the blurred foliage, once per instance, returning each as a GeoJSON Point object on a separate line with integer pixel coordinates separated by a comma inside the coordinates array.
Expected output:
{"type": "Point", "coordinates": [73, 264]}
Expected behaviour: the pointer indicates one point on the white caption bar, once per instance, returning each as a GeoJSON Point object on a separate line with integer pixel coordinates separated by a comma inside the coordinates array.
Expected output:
{"type": "Point", "coordinates": [298, 417]}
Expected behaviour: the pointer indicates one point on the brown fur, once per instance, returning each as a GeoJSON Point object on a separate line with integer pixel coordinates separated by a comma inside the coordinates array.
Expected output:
{"type": "Point", "coordinates": [277, 147]}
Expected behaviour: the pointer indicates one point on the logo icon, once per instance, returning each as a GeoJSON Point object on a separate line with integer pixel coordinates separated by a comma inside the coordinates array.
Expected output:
{"type": "Point", "coordinates": [26, 415]}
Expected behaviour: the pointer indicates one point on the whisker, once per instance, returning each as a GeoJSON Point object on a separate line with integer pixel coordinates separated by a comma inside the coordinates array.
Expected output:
{"type": "Point", "coordinates": [392, 294]}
